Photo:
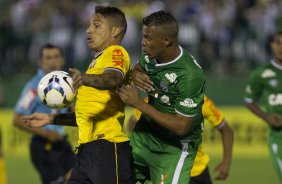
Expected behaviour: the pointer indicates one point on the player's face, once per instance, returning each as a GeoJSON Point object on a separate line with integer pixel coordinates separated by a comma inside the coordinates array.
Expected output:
{"type": "Point", "coordinates": [99, 33]}
{"type": "Point", "coordinates": [277, 47]}
{"type": "Point", "coordinates": [51, 60]}
{"type": "Point", "coordinates": [153, 43]}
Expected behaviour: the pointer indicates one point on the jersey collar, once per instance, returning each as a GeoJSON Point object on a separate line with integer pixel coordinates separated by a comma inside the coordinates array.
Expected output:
{"type": "Point", "coordinates": [276, 65]}
{"type": "Point", "coordinates": [170, 62]}
{"type": "Point", "coordinates": [98, 54]}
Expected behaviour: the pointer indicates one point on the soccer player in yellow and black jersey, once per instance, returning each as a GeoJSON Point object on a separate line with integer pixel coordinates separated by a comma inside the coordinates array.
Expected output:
{"type": "Point", "coordinates": [104, 154]}
{"type": "Point", "coordinates": [200, 173]}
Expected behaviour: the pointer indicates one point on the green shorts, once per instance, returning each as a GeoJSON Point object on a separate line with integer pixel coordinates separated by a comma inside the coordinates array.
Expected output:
{"type": "Point", "coordinates": [163, 162]}
{"type": "Point", "coordinates": [275, 149]}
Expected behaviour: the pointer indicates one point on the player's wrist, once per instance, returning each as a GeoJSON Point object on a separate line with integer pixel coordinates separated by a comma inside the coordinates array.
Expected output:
{"type": "Point", "coordinates": [51, 118]}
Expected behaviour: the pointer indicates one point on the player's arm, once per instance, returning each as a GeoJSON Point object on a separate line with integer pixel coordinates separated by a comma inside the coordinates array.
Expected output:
{"type": "Point", "coordinates": [177, 123]}
{"type": "Point", "coordinates": [50, 135]}
{"type": "Point", "coordinates": [214, 116]}
{"type": "Point", "coordinates": [272, 120]}
{"type": "Point", "coordinates": [227, 137]}
{"type": "Point", "coordinates": [41, 119]}
{"type": "Point", "coordinates": [110, 79]}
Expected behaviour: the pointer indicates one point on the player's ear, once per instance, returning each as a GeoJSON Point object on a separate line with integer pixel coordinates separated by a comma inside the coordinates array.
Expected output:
{"type": "Point", "coordinates": [116, 31]}
{"type": "Point", "coordinates": [167, 41]}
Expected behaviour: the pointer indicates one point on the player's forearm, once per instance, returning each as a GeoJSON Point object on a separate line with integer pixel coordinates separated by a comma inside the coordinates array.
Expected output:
{"type": "Point", "coordinates": [227, 136]}
{"type": "Point", "coordinates": [67, 119]}
{"type": "Point", "coordinates": [257, 110]}
{"type": "Point", "coordinates": [178, 125]}
{"type": "Point", "coordinates": [103, 81]}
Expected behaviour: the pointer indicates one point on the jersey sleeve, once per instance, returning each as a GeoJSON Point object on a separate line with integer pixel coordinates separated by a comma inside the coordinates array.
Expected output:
{"type": "Point", "coordinates": [27, 100]}
{"type": "Point", "coordinates": [190, 97]}
{"type": "Point", "coordinates": [211, 113]}
{"type": "Point", "coordinates": [116, 58]}
{"type": "Point", "coordinates": [254, 88]}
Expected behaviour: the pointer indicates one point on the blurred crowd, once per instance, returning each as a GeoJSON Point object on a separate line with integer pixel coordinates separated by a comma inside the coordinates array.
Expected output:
{"type": "Point", "coordinates": [224, 35]}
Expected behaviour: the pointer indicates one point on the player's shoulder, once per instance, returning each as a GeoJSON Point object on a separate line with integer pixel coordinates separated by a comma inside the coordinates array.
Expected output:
{"type": "Point", "coordinates": [189, 61]}
{"type": "Point", "coordinates": [116, 49]}
{"type": "Point", "coordinates": [263, 71]}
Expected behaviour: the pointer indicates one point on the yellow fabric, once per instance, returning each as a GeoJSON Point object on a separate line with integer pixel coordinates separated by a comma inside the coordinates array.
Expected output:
{"type": "Point", "coordinates": [2, 171]}
{"type": "Point", "coordinates": [213, 116]}
{"type": "Point", "coordinates": [100, 113]}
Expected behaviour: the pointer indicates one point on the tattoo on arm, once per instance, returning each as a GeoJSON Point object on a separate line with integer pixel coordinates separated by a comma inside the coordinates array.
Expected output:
{"type": "Point", "coordinates": [107, 80]}
{"type": "Point", "coordinates": [67, 119]}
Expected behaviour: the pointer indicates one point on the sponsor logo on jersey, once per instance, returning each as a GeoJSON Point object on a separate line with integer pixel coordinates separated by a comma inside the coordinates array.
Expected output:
{"type": "Point", "coordinates": [171, 77]}
{"type": "Point", "coordinates": [275, 99]}
{"type": "Point", "coordinates": [268, 73]}
{"type": "Point", "coordinates": [165, 99]}
{"type": "Point", "coordinates": [164, 86]}
{"type": "Point", "coordinates": [273, 82]}
{"type": "Point", "coordinates": [117, 58]}
{"type": "Point", "coordinates": [188, 102]}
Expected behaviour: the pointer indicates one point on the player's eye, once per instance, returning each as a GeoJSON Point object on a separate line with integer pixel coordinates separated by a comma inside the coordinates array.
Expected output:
{"type": "Point", "coordinates": [96, 25]}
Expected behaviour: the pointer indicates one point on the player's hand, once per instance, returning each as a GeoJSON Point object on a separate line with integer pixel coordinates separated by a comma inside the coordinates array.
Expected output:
{"type": "Point", "coordinates": [129, 95]}
{"type": "Point", "coordinates": [273, 120]}
{"type": "Point", "coordinates": [52, 136]}
{"type": "Point", "coordinates": [142, 81]}
{"type": "Point", "coordinates": [77, 78]}
{"type": "Point", "coordinates": [223, 171]}
{"type": "Point", "coordinates": [37, 119]}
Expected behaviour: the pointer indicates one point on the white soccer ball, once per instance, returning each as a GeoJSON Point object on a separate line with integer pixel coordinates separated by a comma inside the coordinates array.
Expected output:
{"type": "Point", "coordinates": [55, 89]}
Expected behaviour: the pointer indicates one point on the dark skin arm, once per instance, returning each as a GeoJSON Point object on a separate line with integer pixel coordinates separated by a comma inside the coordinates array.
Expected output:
{"type": "Point", "coordinates": [227, 137]}
{"type": "Point", "coordinates": [177, 123]}
{"type": "Point", "coordinates": [273, 120]}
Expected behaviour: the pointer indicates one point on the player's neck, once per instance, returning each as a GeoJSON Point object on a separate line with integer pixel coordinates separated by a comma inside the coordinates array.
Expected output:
{"type": "Point", "coordinates": [170, 54]}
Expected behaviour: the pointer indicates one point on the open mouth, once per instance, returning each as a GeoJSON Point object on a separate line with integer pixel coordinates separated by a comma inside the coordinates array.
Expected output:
{"type": "Point", "coordinates": [89, 39]}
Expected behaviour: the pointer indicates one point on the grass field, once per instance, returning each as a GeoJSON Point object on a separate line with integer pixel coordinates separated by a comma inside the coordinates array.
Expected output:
{"type": "Point", "coordinates": [244, 171]}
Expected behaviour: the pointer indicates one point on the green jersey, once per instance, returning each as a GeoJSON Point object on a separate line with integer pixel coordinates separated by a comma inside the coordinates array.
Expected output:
{"type": "Point", "coordinates": [179, 88]}
{"type": "Point", "coordinates": [266, 85]}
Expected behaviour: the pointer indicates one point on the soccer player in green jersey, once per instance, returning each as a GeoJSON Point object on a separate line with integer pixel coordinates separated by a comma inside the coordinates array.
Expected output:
{"type": "Point", "coordinates": [166, 137]}
{"type": "Point", "coordinates": [266, 85]}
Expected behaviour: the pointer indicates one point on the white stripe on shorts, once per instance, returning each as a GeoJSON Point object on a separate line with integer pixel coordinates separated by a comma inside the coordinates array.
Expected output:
{"type": "Point", "coordinates": [180, 163]}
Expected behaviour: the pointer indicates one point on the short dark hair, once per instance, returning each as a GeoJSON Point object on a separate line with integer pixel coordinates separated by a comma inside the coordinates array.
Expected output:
{"type": "Point", "coordinates": [162, 18]}
{"type": "Point", "coordinates": [117, 16]}
{"type": "Point", "coordinates": [49, 46]}
{"type": "Point", "coordinates": [279, 33]}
